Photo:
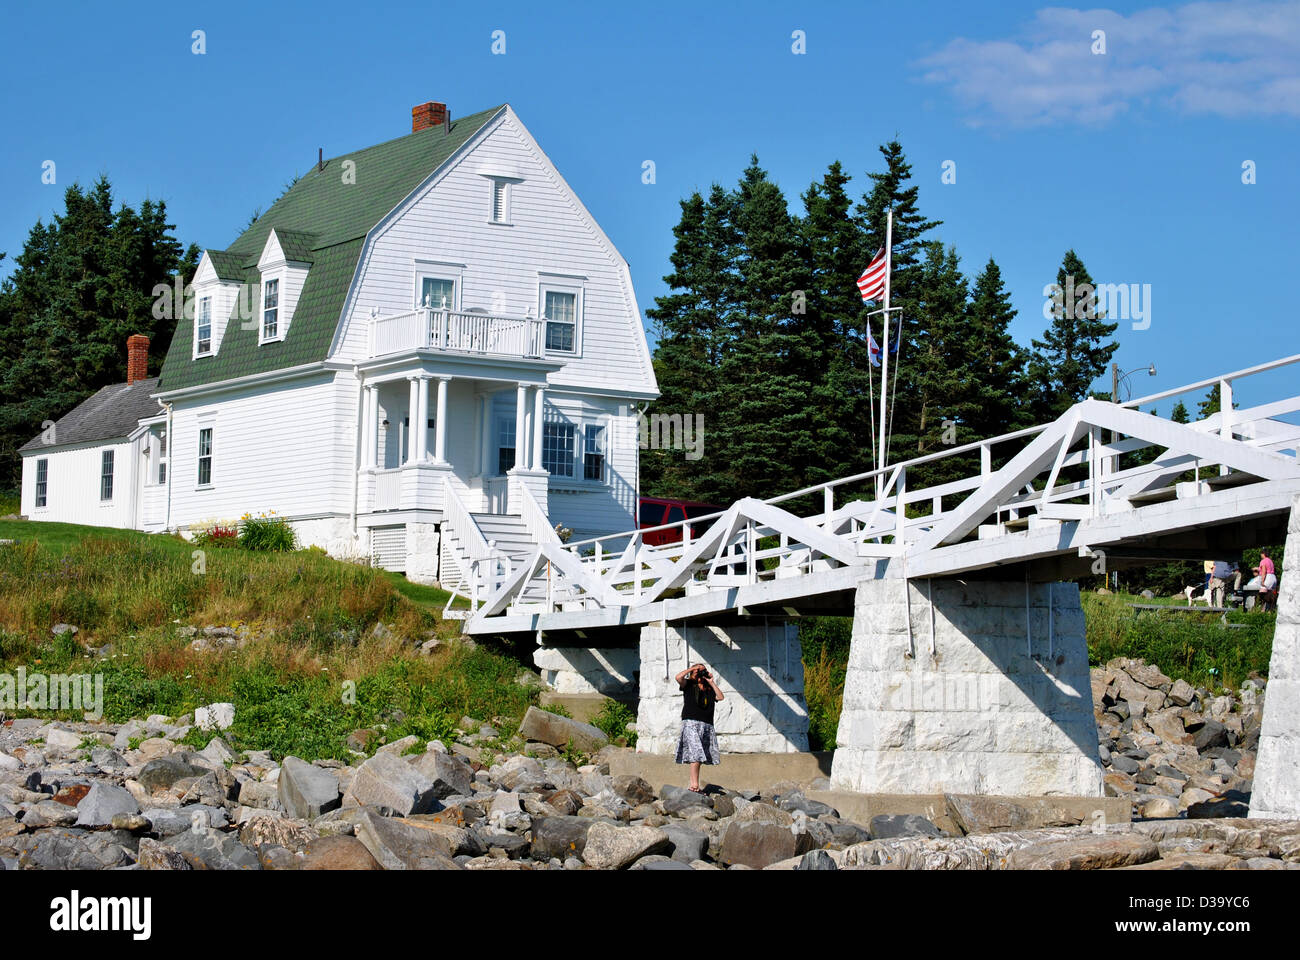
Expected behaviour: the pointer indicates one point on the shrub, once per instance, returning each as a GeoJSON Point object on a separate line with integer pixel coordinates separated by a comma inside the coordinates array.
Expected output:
{"type": "Point", "coordinates": [612, 720]}
{"type": "Point", "coordinates": [266, 531]}
{"type": "Point", "coordinates": [217, 536]}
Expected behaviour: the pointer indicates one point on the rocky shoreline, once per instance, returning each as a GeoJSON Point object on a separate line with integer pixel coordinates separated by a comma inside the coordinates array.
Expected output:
{"type": "Point", "coordinates": [130, 796]}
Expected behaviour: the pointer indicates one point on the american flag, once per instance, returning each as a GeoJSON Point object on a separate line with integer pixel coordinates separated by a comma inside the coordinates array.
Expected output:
{"type": "Point", "coordinates": [872, 282]}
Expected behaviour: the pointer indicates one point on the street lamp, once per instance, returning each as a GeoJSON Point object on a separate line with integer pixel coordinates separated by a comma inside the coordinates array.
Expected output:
{"type": "Point", "coordinates": [1117, 378]}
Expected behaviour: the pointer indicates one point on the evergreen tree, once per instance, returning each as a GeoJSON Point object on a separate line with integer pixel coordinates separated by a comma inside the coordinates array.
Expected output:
{"type": "Point", "coordinates": [81, 285]}
{"type": "Point", "coordinates": [1211, 405]}
{"type": "Point", "coordinates": [1074, 350]}
{"type": "Point", "coordinates": [1179, 413]}
{"type": "Point", "coordinates": [997, 365]}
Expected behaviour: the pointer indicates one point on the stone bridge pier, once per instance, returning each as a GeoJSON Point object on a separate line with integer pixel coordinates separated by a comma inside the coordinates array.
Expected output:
{"type": "Point", "coordinates": [757, 664]}
{"type": "Point", "coordinates": [1276, 789]}
{"type": "Point", "coordinates": [967, 687]}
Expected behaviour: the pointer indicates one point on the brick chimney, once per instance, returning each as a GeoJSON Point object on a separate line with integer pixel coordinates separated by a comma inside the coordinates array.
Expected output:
{"type": "Point", "coordinates": [428, 115]}
{"type": "Point", "coordinates": [137, 358]}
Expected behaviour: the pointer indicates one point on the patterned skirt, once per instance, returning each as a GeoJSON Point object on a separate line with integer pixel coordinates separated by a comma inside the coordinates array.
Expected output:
{"type": "Point", "coordinates": [697, 743]}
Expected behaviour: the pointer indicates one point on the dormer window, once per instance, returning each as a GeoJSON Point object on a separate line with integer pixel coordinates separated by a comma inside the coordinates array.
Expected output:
{"type": "Point", "coordinates": [203, 326]}
{"type": "Point", "coordinates": [270, 309]}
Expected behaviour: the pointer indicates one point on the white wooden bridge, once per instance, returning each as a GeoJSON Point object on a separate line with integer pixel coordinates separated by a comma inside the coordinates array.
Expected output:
{"type": "Point", "coordinates": [1046, 503]}
{"type": "Point", "coordinates": [968, 666]}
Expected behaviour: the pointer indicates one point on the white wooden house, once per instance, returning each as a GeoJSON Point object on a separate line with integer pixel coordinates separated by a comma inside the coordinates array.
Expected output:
{"type": "Point", "coordinates": [427, 352]}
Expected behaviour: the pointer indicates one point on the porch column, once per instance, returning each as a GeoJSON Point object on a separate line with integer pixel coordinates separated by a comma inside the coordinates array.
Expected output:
{"type": "Point", "coordinates": [440, 432]}
{"type": "Point", "coordinates": [420, 424]}
{"type": "Point", "coordinates": [412, 411]}
{"type": "Point", "coordinates": [521, 430]}
{"type": "Point", "coordinates": [539, 404]}
{"type": "Point", "coordinates": [369, 426]}
{"type": "Point", "coordinates": [485, 436]}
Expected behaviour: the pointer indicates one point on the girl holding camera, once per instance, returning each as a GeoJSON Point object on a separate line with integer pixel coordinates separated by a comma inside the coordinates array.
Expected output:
{"type": "Point", "coordinates": [698, 743]}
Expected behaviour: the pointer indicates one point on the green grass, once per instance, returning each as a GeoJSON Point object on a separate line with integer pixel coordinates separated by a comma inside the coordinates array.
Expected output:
{"type": "Point", "coordinates": [311, 670]}
{"type": "Point", "coordinates": [1195, 647]}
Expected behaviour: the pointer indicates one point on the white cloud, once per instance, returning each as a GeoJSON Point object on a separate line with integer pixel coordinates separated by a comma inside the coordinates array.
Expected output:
{"type": "Point", "coordinates": [1231, 58]}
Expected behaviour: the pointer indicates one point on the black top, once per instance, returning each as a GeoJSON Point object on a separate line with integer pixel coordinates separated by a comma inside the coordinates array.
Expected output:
{"type": "Point", "coordinates": [697, 704]}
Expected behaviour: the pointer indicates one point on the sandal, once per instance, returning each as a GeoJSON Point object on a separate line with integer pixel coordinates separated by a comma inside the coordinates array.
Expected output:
{"type": "Point", "coordinates": [695, 789]}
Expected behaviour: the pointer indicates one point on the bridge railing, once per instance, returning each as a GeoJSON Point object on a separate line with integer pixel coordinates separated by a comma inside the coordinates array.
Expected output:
{"type": "Point", "coordinates": [1078, 473]}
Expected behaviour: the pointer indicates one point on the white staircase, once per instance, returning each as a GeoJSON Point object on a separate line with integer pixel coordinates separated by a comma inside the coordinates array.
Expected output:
{"type": "Point", "coordinates": [506, 532]}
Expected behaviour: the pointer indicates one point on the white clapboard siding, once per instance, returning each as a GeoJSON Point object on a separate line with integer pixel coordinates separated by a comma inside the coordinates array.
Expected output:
{"type": "Point", "coordinates": [588, 508]}
{"type": "Point", "coordinates": [287, 447]}
{"type": "Point", "coordinates": [73, 485]}
{"type": "Point", "coordinates": [500, 266]}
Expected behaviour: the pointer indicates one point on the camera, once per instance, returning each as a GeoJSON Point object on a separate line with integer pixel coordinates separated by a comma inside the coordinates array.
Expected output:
{"type": "Point", "coordinates": [703, 674]}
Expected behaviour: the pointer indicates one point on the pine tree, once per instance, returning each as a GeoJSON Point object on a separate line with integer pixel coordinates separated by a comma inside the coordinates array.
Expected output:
{"type": "Point", "coordinates": [1179, 413]}
{"type": "Point", "coordinates": [80, 286]}
{"type": "Point", "coordinates": [1211, 405]}
{"type": "Point", "coordinates": [997, 365]}
{"type": "Point", "coordinates": [1073, 352]}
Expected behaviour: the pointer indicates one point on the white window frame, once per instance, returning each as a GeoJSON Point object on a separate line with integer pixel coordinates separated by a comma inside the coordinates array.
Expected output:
{"type": "Point", "coordinates": [199, 350]}
{"type": "Point", "coordinates": [278, 278]}
{"type": "Point", "coordinates": [433, 270]}
{"type": "Point", "coordinates": [504, 423]}
{"type": "Point", "coordinates": [164, 459]}
{"type": "Point", "coordinates": [210, 456]}
{"type": "Point", "coordinates": [558, 283]}
{"type": "Point", "coordinates": [574, 455]}
{"type": "Point", "coordinates": [107, 468]}
{"type": "Point", "coordinates": [602, 426]}
{"type": "Point", "coordinates": [41, 492]}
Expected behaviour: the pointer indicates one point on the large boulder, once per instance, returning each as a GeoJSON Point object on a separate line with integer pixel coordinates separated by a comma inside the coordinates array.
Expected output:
{"type": "Point", "coordinates": [161, 772]}
{"type": "Point", "coordinates": [399, 844]}
{"type": "Point", "coordinates": [611, 847]}
{"type": "Point", "coordinates": [758, 843]}
{"type": "Point", "coordinates": [306, 791]}
{"type": "Point", "coordinates": [687, 845]}
{"type": "Point", "coordinates": [976, 814]}
{"type": "Point", "coordinates": [560, 837]}
{"type": "Point", "coordinates": [215, 716]}
{"type": "Point", "coordinates": [449, 775]}
{"type": "Point", "coordinates": [632, 789]}
{"type": "Point", "coordinates": [102, 802]}
{"type": "Point", "coordinates": [558, 731]}
{"type": "Point", "coordinates": [214, 850]}
{"type": "Point", "coordinates": [338, 853]}
{"type": "Point", "coordinates": [1091, 852]}
{"type": "Point", "coordinates": [391, 785]}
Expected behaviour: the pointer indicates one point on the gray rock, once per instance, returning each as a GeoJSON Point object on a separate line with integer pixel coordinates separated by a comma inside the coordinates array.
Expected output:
{"type": "Point", "coordinates": [1182, 693]}
{"type": "Point", "coordinates": [890, 826]}
{"type": "Point", "coordinates": [681, 801]}
{"type": "Point", "coordinates": [1210, 733]}
{"type": "Point", "coordinates": [102, 803]}
{"type": "Point", "coordinates": [817, 860]}
{"type": "Point", "coordinates": [264, 794]}
{"type": "Point", "coordinates": [846, 833]}
{"type": "Point", "coordinates": [59, 629]}
{"type": "Point", "coordinates": [560, 837]}
{"type": "Point", "coordinates": [687, 844]}
{"type": "Point", "coordinates": [62, 740]}
{"type": "Point", "coordinates": [306, 791]}
{"type": "Point", "coordinates": [390, 784]}
{"type": "Point", "coordinates": [611, 847]}
{"type": "Point", "coordinates": [791, 802]}
{"type": "Point", "coordinates": [976, 814]}
{"type": "Point", "coordinates": [558, 731]}
{"type": "Point", "coordinates": [401, 845]}
{"type": "Point", "coordinates": [632, 789]}
{"type": "Point", "coordinates": [657, 862]}
{"type": "Point", "coordinates": [1124, 764]}
{"type": "Point", "coordinates": [399, 747]}
{"type": "Point", "coordinates": [449, 775]}
{"type": "Point", "coordinates": [161, 772]}
{"type": "Point", "coordinates": [74, 849]}
{"type": "Point", "coordinates": [155, 855]}
{"type": "Point", "coordinates": [169, 821]}
{"type": "Point", "coordinates": [758, 843]}
{"type": "Point", "coordinates": [214, 850]}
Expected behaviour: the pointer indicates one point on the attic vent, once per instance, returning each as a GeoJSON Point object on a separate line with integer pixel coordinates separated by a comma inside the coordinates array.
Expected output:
{"type": "Point", "coordinates": [499, 201]}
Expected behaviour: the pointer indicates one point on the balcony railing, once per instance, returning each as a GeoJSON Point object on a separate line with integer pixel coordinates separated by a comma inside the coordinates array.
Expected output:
{"type": "Point", "coordinates": [455, 330]}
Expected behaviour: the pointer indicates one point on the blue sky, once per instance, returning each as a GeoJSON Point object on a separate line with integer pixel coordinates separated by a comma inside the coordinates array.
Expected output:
{"type": "Point", "coordinates": [1133, 156]}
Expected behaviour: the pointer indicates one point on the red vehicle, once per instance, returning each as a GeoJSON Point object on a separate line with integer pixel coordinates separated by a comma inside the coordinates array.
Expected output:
{"type": "Point", "coordinates": [657, 511]}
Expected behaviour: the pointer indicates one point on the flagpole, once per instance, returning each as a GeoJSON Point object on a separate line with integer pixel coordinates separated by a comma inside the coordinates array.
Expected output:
{"type": "Point", "coordinates": [884, 359]}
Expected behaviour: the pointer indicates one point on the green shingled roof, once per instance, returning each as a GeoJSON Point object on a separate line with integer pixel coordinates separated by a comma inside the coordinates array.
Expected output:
{"type": "Point", "coordinates": [323, 221]}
